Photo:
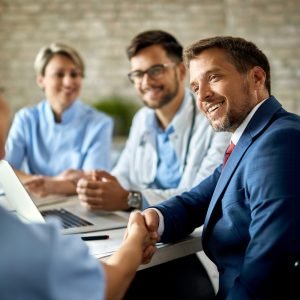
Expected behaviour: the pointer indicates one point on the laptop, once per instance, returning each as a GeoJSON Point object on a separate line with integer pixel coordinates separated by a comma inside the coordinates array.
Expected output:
{"type": "Point", "coordinates": [74, 217]}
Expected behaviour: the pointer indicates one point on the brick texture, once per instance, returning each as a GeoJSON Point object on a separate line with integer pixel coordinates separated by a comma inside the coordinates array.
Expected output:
{"type": "Point", "coordinates": [100, 30]}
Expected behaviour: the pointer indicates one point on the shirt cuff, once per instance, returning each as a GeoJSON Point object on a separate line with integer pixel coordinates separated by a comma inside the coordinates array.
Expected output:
{"type": "Point", "coordinates": [161, 225]}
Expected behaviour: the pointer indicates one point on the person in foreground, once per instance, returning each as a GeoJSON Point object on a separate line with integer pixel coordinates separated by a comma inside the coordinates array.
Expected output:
{"type": "Point", "coordinates": [49, 265]}
{"type": "Point", "coordinates": [52, 143]}
{"type": "Point", "coordinates": [250, 205]}
{"type": "Point", "coordinates": [171, 147]}
{"type": "Point", "coordinates": [38, 262]}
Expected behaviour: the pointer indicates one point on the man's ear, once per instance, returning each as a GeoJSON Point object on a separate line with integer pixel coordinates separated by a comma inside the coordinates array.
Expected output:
{"type": "Point", "coordinates": [40, 81]}
{"type": "Point", "coordinates": [259, 77]}
{"type": "Point", "coordinates": [182, 70]}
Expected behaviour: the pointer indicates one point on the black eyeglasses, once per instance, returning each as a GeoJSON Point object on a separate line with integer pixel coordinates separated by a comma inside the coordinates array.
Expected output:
{"type": "Point", "coordinates": [153, 72]}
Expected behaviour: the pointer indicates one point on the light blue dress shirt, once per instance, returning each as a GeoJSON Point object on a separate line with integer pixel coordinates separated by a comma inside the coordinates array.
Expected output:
{"type": "Point", "coordinates": [38, 262]}
{"type": "Point", "coordinates": [168, 168]}
{"type": "Point", "coordinates": [39, 145]}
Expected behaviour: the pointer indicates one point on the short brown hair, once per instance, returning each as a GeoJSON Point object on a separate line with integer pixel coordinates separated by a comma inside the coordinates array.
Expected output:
{"type": "Point", "coordinates": [242, 54]}
{"type": "Point", "coordinates": [155, 37]}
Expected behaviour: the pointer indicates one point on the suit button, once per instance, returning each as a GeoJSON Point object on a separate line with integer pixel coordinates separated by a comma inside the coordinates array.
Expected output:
{"type": "Point", "coordinates": [297, 264]}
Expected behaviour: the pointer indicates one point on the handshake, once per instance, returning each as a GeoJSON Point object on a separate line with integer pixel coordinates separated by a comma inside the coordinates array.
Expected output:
{"type": "Point", "coordinates": [141, 234]}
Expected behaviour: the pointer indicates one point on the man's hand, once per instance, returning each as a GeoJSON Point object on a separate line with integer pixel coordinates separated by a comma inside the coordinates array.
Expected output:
{"type": "Point", "coordinates": [138, 235]}
{"type": "Point", "coordinates": [152, 222]}
{"type": "Point", "coordinates": [102, 191]}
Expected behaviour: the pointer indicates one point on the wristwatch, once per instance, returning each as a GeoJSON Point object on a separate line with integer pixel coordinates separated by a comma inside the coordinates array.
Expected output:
{"type": "Point", "coordinates": [135, 199]}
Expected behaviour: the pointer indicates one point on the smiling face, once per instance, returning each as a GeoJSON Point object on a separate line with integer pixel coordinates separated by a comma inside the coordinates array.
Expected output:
{"type": "Point", "coordinates": [61, 82]}
{"type": "Point", "coordinates": [223, 94]}
{"type": "Point", "coordinates": [157, 92]}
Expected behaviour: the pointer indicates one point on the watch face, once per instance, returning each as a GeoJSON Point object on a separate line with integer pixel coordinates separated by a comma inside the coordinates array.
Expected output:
{"type": "Point", "coordinates": [135, 200]}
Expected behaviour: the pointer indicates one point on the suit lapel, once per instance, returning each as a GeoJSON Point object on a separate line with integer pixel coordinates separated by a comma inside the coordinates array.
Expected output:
{"type": "Point", "coordinates": [228, 171]}
{"type": "Point", "coordinates": [257, 124]}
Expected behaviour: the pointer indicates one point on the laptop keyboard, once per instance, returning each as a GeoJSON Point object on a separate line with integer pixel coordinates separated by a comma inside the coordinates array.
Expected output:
{"type": "Point", "coordinates": [68, 219]}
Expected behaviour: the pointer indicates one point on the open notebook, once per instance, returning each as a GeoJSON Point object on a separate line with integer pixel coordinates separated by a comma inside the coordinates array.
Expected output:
{"type": "Point", "coordinates": [75, 218]}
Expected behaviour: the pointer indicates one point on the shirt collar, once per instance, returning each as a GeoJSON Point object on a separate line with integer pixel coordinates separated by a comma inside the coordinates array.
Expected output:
{"type": "Point", "coordinates": [239, 131]}
{"type": "Point", "coordinates": [154, 124]}
{"type": "Point", "coordinates": [67, 116]}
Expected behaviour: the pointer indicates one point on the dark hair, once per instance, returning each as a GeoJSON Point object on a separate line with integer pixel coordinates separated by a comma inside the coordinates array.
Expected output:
{"type": "Point", "coordinates": [242, 54]}
{"type": "Point", "coordinates": [155, 37]}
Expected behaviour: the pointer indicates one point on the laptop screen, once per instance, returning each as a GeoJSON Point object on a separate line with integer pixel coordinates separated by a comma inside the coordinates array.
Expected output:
{"type": "Point", "coordinates": [14, 196]}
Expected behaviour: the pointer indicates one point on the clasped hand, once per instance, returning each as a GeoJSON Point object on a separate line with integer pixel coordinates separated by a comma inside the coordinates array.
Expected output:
{"type": "Point", "coordinates": [99, 190]}
{"type": "Point", "coordinates": [142, 232]}
{"type": "Point", "coordinates": [62, 184]}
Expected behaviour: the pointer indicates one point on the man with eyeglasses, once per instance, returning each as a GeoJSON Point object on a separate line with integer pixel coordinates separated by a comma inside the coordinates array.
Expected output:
{"type": "Point", "coordinates": [171, 148]}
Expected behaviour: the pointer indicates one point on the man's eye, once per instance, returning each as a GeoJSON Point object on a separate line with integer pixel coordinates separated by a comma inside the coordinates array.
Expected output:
{"type": "Point", "coordinates": [194, 89]}
{"type": "Point", "coordinates": [137, 74]}
{"type": "Point", "coordinates": [213, 77]}
{"type": "Point", "coordinates": [155, 70]}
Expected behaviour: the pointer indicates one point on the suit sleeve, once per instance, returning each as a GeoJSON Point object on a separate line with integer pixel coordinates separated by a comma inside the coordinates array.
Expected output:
{"type": "Point", "coordinates": [184, 213]}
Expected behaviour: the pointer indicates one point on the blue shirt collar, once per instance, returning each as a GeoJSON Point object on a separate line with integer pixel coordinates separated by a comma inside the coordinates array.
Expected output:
{"type": "Point", "coordinates": [153, 123]}
{"type": "Point", "coordinates": [67, 116]}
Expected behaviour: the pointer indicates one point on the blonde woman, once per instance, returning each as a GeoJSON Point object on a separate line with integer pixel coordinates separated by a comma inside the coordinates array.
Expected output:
{"type": "Point", "coordinates": [52, 143]}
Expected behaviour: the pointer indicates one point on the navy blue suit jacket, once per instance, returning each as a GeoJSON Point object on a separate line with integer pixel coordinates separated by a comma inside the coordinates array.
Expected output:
{"type": "Point", "coordinates": [250, 210]}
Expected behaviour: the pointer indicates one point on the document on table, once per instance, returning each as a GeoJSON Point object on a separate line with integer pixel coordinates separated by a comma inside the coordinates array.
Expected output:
{"type": "Point", "coordinates": [104, 248]}
{"type": "Point", "coordinates": [100, 249]}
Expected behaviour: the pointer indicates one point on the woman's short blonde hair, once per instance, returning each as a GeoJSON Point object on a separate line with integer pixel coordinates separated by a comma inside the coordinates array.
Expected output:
{"type": "Point", "coordinates": [46, 53]}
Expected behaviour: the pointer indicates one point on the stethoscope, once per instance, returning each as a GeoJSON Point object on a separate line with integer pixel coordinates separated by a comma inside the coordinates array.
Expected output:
{"type": "Point", "coordinates": [190, 133]}
{"type": "Point", "coordinates": [143, 139]}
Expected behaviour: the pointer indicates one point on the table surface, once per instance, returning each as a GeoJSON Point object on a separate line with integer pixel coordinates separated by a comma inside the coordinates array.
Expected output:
{"type": "Point", "coordinates": [102, 249]}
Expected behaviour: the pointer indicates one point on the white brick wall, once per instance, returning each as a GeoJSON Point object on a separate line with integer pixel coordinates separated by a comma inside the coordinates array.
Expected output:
{"type": "Point", "coordinates": [100, 30]}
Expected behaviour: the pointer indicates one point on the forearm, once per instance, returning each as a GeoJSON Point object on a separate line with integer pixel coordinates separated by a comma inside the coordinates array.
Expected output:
{"type": "Point", "coordinates": [23, 176]}
{"type": "Point", "coordinates": [120, 269]}
{"type": "Point", "coordinates": [59, 186]}
{"type": "Point", "coordinates": [43, 186]}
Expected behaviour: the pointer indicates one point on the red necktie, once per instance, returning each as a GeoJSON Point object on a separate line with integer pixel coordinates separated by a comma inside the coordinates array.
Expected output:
{"type": "Point", "coordinates": [228, 152]}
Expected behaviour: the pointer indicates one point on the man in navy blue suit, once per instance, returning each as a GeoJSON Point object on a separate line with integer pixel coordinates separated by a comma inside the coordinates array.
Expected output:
{"type": "Point", "coordinates": [250, 206]}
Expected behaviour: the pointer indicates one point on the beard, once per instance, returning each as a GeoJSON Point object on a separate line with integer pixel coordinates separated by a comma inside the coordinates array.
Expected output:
{"type": "Point", "coordinates": [167, 97]}
{"type": "Point", "coordinates": [235, 116]}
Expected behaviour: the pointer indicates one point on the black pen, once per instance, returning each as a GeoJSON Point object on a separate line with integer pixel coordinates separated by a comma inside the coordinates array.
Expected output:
{"type": "Point", "coordinates": [95, 237]}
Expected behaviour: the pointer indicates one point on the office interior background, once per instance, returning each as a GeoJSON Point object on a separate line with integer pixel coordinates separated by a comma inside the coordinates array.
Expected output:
{"type": "Point", "coordinates": [100, 31]}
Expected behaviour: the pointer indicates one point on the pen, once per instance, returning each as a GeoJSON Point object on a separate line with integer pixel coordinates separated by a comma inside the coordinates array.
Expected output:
{"type": "Point", "coordinates": [95, 237]}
